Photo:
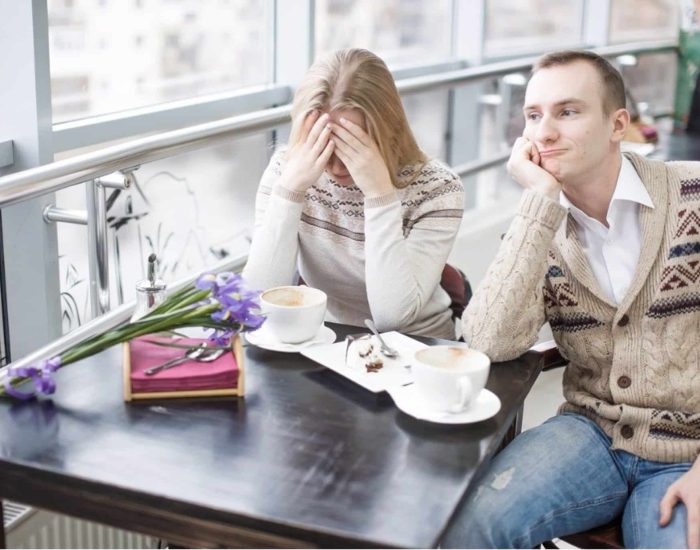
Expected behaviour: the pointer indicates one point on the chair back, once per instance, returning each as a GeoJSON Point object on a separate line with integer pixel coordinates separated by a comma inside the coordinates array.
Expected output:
{"type": "Point", "coordinates": [457, 286]}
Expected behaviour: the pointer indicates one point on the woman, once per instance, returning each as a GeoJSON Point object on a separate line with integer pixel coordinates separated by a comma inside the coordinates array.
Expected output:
{"type": "Point", "coordinates": [355, 206]}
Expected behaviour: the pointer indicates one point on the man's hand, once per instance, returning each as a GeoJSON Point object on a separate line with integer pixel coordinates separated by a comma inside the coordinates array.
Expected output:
{"type": "Point", "coordinates": [361, 156]}
{"type": "Point", "coordinates": [524, 167]}
{"type": "Point", "coordinates": [687, 490]}
{"type": "Point", "coordinates": [309, 153]}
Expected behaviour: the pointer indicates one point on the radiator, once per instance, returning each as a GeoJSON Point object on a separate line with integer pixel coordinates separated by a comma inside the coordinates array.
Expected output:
{"type": "Point", "coordinates": [27, 527]}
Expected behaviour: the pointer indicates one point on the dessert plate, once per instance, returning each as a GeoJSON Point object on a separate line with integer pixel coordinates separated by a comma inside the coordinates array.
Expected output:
{"type": "Point", "coordinates": [409, 400]}
{"type": "Point", "coordinates": [394, 372]}
{"type": "Point", "coordinates": [263, 338]}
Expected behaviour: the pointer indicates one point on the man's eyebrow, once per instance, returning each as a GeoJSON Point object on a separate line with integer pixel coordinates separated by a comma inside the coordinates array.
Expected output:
{"type": "Point", "coordinates": [567, 101]}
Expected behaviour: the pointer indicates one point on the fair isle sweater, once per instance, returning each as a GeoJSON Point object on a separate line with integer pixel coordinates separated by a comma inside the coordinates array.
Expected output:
{"type": "Point", "coordinates": [379, 258]}
{"type": "Point", "coordinates": [634, 368]}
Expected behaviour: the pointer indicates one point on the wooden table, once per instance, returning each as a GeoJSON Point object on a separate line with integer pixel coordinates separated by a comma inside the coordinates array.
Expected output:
{"type": "Point", "coordinates": [306, 459]}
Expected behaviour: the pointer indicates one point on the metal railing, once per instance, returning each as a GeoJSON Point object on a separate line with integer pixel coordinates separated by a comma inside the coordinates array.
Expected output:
{"type": "Point", "coordinates": [126, 157]}
{"type": "Point", "coordinates": [502, 68]}
{"type": "Point", "coordinates": [112, 319]}
{"type": "Point", "coordinates": [58, 175]}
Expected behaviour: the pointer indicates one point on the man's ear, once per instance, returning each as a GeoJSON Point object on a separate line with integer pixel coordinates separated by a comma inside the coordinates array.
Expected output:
{"type": "Point", "coordinates": [620, 120]}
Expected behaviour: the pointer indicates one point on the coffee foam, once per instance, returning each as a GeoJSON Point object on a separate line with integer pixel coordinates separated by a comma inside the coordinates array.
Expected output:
{"type": "Point", "coordinates": [290, 297]}
{"type": "Point", "coordinates": [451, 358]}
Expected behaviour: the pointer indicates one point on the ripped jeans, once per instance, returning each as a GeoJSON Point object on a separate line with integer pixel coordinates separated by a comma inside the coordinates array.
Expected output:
{"type": "Point", "coordinates": [561, 478]}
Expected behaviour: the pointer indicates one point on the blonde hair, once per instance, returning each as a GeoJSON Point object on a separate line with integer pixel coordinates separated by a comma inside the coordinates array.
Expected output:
{"type": "Point", "coordinates": [357, 79]}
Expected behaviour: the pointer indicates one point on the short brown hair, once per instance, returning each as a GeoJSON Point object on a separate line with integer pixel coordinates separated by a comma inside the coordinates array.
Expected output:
{"type": "Point", "coordinates": [358, 79]}
{"type": "Point", "coordinates": [614, 97]}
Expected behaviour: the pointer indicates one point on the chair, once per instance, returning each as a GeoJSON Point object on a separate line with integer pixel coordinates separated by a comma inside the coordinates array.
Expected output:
{"type": "Point", "coordinates": [457, 286]}
{"type": "Point", "coordinates": [605, 536]}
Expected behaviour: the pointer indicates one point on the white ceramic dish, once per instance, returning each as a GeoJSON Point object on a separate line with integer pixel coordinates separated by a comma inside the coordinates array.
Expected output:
{"type": "Point", "coordinates": [393, 373]}
{"type": "Point", "coordinates": [409, 400]}
{"type": "Point", "coordinates": [263, 338]}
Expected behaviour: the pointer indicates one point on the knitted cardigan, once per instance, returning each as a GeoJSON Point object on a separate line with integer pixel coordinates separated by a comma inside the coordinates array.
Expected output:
{"type": "Point", "coordinates": [634, 368]}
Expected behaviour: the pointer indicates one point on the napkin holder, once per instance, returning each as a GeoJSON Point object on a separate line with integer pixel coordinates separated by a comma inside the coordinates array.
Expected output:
{"type": "Point", "coordinates": [130, 394]}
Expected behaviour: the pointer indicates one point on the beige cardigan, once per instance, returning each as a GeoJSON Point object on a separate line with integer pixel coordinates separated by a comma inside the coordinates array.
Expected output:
{"type": "Point", "coordinates": [634, 369]}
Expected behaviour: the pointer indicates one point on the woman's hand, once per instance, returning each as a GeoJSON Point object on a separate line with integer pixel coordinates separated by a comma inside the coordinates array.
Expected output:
{"type": "Point", "coordinates": [685, 489]}
{"type": "Point", "coordinates": [361, 157]}
{"type": "Point", "coordinates": [309, 154]}
{"type": "Point", "coordinates": [525, 168]}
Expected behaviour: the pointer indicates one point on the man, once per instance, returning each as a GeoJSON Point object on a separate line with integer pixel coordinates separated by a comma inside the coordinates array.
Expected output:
{"type": "Point", "coordinates": [606, 248]}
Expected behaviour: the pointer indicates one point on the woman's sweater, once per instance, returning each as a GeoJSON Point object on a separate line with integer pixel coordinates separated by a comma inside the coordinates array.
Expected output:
{"type": "Point", "coordinates": [633, 368]}
{"type": "Point", "coordinates": [380, 258]}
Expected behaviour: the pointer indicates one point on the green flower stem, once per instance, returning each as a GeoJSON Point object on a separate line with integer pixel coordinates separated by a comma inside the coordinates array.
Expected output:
{"type": "Point", "coordinates": [188, 300]}
{"type": "Point", "coordinates": [178, 300]}
{"type": "Point", "coordinates": [174, 299]}
{"type": "Point", "coordinates": [196, 317]}
{"type": "Point", "coordinates": [187, 307]}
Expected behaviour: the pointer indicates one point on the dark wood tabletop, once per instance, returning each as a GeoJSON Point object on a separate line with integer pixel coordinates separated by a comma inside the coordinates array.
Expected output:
{"type": "Point", "coordinates": [306, 458]}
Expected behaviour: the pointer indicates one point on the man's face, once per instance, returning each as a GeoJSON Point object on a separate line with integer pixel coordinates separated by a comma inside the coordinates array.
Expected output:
{"type": "Point", "coordinates": [565, 120]}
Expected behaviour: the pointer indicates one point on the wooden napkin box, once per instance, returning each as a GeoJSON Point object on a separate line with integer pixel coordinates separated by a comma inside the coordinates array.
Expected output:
{"type": "Point", "coordinates": [236, 388]}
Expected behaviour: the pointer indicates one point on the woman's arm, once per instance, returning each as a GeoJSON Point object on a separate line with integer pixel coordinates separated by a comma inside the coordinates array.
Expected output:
{"type": "Point", "coordinates": [272, 260]}
{"type": "Point", "coordinates": [403, 266]}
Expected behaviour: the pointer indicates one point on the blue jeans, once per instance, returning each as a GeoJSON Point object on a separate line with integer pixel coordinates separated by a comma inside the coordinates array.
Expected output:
{"type": "Point", "coordinates": [561, 478]}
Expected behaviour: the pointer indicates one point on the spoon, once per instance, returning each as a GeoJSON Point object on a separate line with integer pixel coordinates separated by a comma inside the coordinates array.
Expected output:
{"type": "Point", "coordinates": [389, 352]}
{"type": "Point", "coordinates": [200, 353]}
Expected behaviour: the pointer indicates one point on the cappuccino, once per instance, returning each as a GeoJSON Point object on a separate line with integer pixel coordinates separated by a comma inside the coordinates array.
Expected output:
{"type": "Point", "coordinates": [290, 297]}
{"type": "Point", "coordinates": [294, 313]}
{"type": "Point", "coordinates": [450, 377]}
{"type": "Point", "coordinates": [454, 358]}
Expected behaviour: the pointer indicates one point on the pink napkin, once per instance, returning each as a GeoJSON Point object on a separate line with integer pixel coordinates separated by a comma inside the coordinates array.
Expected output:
{"type": "Point", "coordinates": [191, 375]}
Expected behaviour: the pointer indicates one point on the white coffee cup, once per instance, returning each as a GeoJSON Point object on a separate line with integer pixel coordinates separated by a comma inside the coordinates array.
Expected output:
{"type": "Point", "coordinates": [294, 313]}
{"type": "Point", "coordinates": [450, 377]}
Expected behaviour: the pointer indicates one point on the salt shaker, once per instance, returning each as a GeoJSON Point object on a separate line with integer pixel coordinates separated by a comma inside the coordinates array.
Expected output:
{"type": "Point", "coordinates": [149, 292]}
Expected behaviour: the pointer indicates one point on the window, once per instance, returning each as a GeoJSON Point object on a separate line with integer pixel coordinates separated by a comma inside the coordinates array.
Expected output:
{"type": "Point", "coordinates": [632, 20]}
{"type": "Point", "coordinates": [402, 32]}
{"type": "Point", "coordinates": [517, 27]}
{"type": "Point", "coordinates": [652, 82]}
{"type": "Point", "coordinates": [192, 210]}
{"type": "Point", "coordinates": [427, 114]}
{"type": "Point", "coordinates": [186, 49]}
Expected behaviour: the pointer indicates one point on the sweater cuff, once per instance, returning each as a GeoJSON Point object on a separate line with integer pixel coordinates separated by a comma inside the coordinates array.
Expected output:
{"type": "Point", "coordinates": [294, 196]}
{"type": "Point", "coordinates": [539, 207]}
{"type": "Point", "coordinates": [382, 200]}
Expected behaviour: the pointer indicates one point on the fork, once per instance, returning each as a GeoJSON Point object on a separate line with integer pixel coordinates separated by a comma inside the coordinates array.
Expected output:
{"type": "Point", "coordinates": [201, 353]}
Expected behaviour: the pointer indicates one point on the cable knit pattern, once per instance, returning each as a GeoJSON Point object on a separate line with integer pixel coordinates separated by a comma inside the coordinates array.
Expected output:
{"type": "Point", "coordinates": [380, 258]}
{"type": "Point", "coordinates": [634, 368]}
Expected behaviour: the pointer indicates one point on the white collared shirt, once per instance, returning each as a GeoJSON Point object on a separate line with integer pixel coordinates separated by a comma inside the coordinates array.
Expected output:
{"type": "Point", "coordinates": [613, 252]}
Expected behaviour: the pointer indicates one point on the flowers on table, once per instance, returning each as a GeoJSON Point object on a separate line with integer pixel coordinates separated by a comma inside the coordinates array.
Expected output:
{"type": "Point", "coordinates": [220, 302]}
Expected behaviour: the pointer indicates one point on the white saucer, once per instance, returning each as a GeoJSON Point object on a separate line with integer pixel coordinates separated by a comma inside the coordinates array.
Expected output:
{"type": "Point", "coordinates": [264, 339]}
{"type": "Point", "coordinates": [410, 401]}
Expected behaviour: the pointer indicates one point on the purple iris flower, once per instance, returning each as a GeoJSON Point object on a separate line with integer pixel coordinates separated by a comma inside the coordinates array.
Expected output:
{"type": "Point", "coordinates": [206, 282]}
{"type": "Point", "coordinates": [235, 309]}
{"type": "Point", "coordinates": [41, 376]}
{"type": "Point", "coordinates": [221, 337]}
{"type": "Point", "coordinates": [237, 306]}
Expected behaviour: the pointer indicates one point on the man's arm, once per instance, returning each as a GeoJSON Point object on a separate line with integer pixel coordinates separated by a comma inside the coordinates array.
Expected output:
{"type": "Point", "coordinates": [507, 310]}
{"type": "Point", "coordinates": [687, 490]}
